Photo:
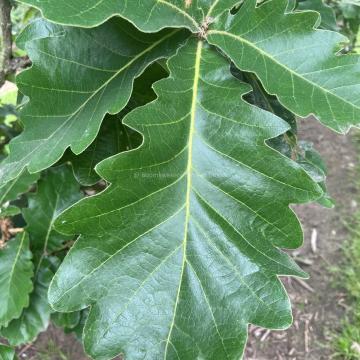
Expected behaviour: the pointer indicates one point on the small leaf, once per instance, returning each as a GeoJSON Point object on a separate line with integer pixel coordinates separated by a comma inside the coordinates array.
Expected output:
{"type": "Point", "coordinates": [87, 81]}
{"type": "Point", "coordinates": [16, 271]}
{"type": "Point", "coordinates": [186, 235]}
{"type": "Point", "coordinates": [293, 60]}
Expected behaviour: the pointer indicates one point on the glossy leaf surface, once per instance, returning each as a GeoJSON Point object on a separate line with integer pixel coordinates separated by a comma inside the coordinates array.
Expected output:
{"type": "Point", "coordinates": [186, 236]}
{"type": "Point", "coordinates": [293, 60]}
{"type": "Point", "coordinates": [147, 15]}
{"type": "Point", "coordinates": [87, 81]}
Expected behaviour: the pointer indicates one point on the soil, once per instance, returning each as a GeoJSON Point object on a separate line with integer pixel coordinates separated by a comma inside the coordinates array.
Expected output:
{"type": "Point", "coordinates": [318, 305]}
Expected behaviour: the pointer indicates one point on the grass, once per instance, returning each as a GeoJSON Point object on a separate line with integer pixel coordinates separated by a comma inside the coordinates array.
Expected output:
{"type": "Point", "coordinates": [346, 343]}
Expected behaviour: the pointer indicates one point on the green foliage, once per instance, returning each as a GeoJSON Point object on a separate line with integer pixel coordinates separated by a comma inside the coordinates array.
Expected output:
{"type": "Point", "coordinates": [178, 119]}
{"type": "Point", "coordinates": [7, 353]}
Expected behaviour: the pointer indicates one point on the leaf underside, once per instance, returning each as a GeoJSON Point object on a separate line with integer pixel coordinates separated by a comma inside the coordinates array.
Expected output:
{"type": "Point", "coordinates": [190, 224]}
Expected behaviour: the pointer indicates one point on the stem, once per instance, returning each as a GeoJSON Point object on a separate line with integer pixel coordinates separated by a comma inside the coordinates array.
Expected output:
{"type": "Point", "coordinates": [5, 39]}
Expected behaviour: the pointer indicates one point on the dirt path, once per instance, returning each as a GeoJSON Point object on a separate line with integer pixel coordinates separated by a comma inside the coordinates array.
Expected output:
{"type": "Point", "coordinates": [318, 308]}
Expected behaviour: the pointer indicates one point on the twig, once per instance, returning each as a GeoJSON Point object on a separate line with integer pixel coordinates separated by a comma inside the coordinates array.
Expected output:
{"type": "Point", "coordinates": [306, 336]}
{"type": "Point", "coordinates": [314, 240]}
{"type": "Point", "coordinates": [6, 40]}
{"type": "Point", "coordinates": [304, 284]}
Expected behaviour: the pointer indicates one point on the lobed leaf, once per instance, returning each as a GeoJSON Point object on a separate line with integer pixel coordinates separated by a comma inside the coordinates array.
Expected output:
{"type": "Point", "coordinates": [293, 60]}
{"type": "Point", "coordinates": [187, 234]}
{"type": "Point", "coordinates": [57, 190]}
{"type": "Point", "coordinates": [87, 81]}
{"type": "Point", "coordinates": [147, 15]}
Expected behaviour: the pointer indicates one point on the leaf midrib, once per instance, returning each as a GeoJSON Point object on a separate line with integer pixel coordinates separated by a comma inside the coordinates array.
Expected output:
{"type": "Point", "coordinates": [189, 182]}
{"type": "Point", "coordinates": [12, 271]}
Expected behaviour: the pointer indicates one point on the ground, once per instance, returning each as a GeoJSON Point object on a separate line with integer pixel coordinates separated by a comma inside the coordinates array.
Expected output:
{"type": "Point", "coordinates": [319, 305]}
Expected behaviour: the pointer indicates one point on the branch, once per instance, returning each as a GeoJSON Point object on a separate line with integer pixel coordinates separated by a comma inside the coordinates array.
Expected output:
{"type": "Point", "coordinates": [6, 40]}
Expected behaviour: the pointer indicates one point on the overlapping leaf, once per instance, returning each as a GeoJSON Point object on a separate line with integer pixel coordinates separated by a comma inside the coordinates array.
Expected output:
{"type": "Point", "coordinates": [147, 15]}
{"type": "Point", "coordinates": [293, 61]}
{"type": "Point", "coordinates": [71, 88]}
{"type": "Point", "coordinates": [19, 185]}
{"type": "Point", "coordinates": [328, 19]}
{"type": "Point", "coordinates": [57, 190]}
{"type": "Point", "coordinates": [113, 136]}
{"type": "Point", "coordinates": [186, 236]}
{"type": "Point", "coordinates": [16, 271]}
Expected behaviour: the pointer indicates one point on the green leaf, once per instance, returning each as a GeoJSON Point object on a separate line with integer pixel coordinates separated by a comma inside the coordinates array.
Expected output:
{"type": "Point", "coordinates": [88, 80]}
{"type": "Point", "coordinates": [16, 271]}
{"type": "Point", "coordinates": [147, 15]}
{"type": "Point", "coordinates": [293, 60]}
{"type": "Point", "coordinates": [57, 190]}
{"type": "Point", "coordinates": [66, 320]}
{"type": "Point", "coordinates": [186, 237]}
{"type": "Point", "coordinates": [328, 19]}
{"type": "Point", "coordinates": [6, 352]}
{"type": "Point", "coordinates": [9, 211]}
{"type": "Point", "coordinates": [35, 318]}
{"type": "Point", "coordinates": [113, 138]}
{"type": "Point", "coordinates": [17, 186]}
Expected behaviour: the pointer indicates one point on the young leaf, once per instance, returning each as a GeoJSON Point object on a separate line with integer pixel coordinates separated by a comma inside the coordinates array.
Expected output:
{"type": "Point", "coordinates": [87, 81]}
{"type": "Point", "coordinates": [186, 236]}
{"type": "Point", "coordinates": [147, 15]}
{"type": "Point", "coordinates": [17, 186]}
{"type": "Point", "coordinates": [293, 60]}
{"type": "Point", "coordinates": [16, 271]}
{"type": "Point", "coordinates": [6, 352]}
